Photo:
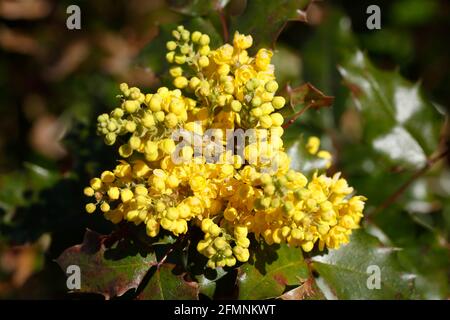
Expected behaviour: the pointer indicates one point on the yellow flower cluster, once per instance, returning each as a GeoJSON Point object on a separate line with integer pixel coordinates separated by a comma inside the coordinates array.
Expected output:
{"type": "Point", "coordinates": [199, 180]}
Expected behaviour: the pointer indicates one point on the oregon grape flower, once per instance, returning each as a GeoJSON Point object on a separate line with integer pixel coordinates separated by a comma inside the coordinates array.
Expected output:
{"type": "Point", "coordinates": [217, 90]}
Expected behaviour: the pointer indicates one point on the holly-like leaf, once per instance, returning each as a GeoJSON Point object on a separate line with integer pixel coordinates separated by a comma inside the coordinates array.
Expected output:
{"type": "Point", "coordinates": [108, 271]}
{"type": "Point", "coordinates": [265, 20]}
{"type": "Point", "coordinates": [351, 271]}
{"type": "Point", "coordinates": [197, 7]}
{"type": "Point", "coordinates": [15, 185]}
{"type": "Point", "coordinates": [270, 270]}
{"type": "Point", "coordinates": [165, 284]}
{"type": "Point", "coordinates": [398, 122]}
{"type": "Point", "coordinates": [423, 251]}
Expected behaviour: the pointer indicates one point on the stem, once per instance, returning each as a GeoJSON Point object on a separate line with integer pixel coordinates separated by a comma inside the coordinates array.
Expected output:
{"type": "Point", "coordinates": [161, 262]}
{"type": "Point", "coordinates": [223, 21]}
{"type": "Point", "coordinates": [430, 162]}
{"type": "Point", "coordinates": [170, 250]}
{"type": "Point", "coordinates": [295, 116]}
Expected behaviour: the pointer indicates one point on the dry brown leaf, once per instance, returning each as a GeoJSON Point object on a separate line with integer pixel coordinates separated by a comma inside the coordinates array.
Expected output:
{"type": "Point", "coordinates": [15, 41]}
{"type": "Point", "coordinates": [73, 55]}
{"type": "Point", "coordinates": [45, 136]}
{"type": "Point", "coordinates": [24, 9]}
{"type": "Point", "coordinates": [303, 291]}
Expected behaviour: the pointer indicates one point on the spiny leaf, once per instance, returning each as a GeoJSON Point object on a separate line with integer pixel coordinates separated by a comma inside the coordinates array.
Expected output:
{"type": "Point", "coordinates": [426, 256]}
{"type": "Point", "coordinates": [398, 122]}
{"type": "Point", "coordinates": [264, 19]}
{"type": "Point", "coordinates": [270, 270]}
{"type": "Point", "coordinates": [108, 271]}
{"type": "Point", "coordinates": [346, 270]}
{"type": "Point", "coordinates": [165, 284]}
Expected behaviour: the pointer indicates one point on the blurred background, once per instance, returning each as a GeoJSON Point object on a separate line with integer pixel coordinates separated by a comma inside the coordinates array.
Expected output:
{"type": "Point", "coordinates": [54, 82]}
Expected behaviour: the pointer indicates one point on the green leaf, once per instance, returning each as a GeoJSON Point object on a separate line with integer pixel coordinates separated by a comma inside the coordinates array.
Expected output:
{"type": "Point", "coordinates": [165, 284]}
{"type": "Point", "coordinates": [264, 20]}
{"type": "Point", "coordinates": [207, 281]}
{"type": "Point", "coordinates": [321, 52]}
{"type": "Point", "coordinates": [430, 264]}
{"type": "Point", "coordinates": [390, 42]}
{"type": "Point", "coordinates": [197, 7]}
{"type": "Point", "coordinates": [413, 12]}
{"type": "Point", "coordinates": [270, 270]}
{"type": "Point", "coordinates": [398, 122]}
{"type": "Point", "coordinates": [12, 189]}
{"type": "Point", "coordinates": [107, 271]}
{"type": "Point", "coordinates": [14, 185]}
{"type": "Point", "coordinates": [424, 252]}
{"type": "Point", "coordinates": [39, 177]}
{"type": "Point", "coordinates": [346, 270]}
{"type": "Point", "coordinates": [288, 66]}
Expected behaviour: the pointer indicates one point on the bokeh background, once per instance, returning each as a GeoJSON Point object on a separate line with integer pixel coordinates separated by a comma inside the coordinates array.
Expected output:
{"type": "Point", "coordinates": [54, 82]}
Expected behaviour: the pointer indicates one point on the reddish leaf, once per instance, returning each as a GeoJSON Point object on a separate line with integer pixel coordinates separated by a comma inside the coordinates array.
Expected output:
{"type": "Point", "coordinates": [307, 94]}
{"type": "Point", "coordinates": [308, 290]}
{"type": "Point", "coordinates": [303, 98]}
{"type": "Point", "coordinates": [109, 271]}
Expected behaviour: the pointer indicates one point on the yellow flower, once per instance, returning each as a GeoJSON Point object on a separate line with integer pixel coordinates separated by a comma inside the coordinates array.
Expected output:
{"type": "Point", "coordinates": [262, 59]}
{"type": "Point", "coordinates": [241, 41]}
{"type": "Point", "coordinates": [313, 144]}
{"type": "Point", "coordinates": [90, 207]}
{"type": "Point", "coordinates": [96, 183]}
{"type": "Point", "coordinates": [223, 55]}
{"type": "Point", "coordinates": [126, 195]}
{"type": "Point", "coordinates": [244, 74]}
{"type": "Point", "coordinates": [88, 191]}
{"type": "Point", "coordinates": [114, 193]}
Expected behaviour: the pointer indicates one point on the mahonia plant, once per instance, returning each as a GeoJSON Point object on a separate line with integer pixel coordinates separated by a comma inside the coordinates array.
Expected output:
{"type": "Point", "coordinates": [195, 179]}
